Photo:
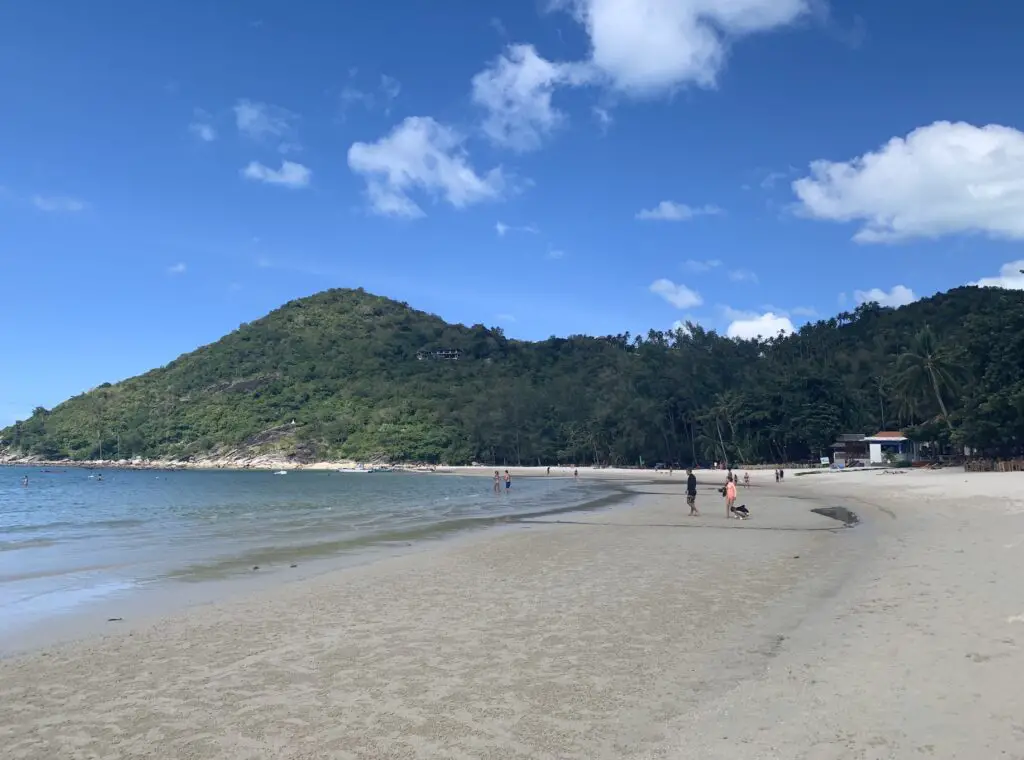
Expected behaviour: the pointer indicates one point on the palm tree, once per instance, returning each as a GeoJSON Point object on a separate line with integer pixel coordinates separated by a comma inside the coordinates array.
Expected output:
{"type": "Point", "coordinates": [928, 369]}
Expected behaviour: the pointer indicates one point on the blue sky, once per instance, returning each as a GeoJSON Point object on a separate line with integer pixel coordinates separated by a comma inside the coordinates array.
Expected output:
{"type": "Point", "coordinates": [171, 170]}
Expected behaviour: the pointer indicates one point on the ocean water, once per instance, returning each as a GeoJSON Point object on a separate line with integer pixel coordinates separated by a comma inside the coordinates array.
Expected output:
{"type": "Point", "coordinates": [72, 538]}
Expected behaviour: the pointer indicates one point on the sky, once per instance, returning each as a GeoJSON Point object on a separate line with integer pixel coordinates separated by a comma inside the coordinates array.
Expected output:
{"type": "Point", "coordinates": [169, 171]}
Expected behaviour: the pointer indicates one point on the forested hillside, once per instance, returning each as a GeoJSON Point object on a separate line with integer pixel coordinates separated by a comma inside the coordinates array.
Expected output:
{"type": "Point", "coordinates": [345, 374]}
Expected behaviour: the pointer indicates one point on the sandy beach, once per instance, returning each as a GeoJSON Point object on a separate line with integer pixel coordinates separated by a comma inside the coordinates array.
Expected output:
{"type": "Point", "coordinates": [634, 631]}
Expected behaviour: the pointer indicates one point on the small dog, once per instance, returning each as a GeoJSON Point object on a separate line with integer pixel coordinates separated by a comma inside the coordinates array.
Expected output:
{"type": "Point", "coordinates": [741, 512]}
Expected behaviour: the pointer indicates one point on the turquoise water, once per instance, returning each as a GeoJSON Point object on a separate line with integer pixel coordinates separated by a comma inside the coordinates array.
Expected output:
{"type": "Point", "coordinates": [70, 538]}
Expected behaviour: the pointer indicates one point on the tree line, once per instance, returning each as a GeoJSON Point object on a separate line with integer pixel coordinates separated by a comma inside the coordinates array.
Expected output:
{"type": "Point", "coordinates": [336, 376]}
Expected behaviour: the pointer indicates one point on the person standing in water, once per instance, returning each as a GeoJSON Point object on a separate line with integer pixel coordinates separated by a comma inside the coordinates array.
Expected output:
{"type": "Point", "coordinates": [730, 496]}
{"type": "Point", "coordinates": [497, 481]}
{"type": "Point", "coordinates": [575, 474]}
{"type": "Point", "coordinates": [691, 492]}
{"type": "Point", "coordinates": [24, 482]}
{"type": "Point", "coordinates": [508, 481]}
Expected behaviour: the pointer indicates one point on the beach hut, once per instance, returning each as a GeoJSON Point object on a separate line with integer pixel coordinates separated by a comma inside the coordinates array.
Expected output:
{"type": "Point", "coordinates": [887, 445]}
{"type": "Point", "coordinates": [849, 448]}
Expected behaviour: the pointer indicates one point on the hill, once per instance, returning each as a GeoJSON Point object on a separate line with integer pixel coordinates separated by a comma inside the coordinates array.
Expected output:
{"type": "Point", "coordinates": [346, 374]}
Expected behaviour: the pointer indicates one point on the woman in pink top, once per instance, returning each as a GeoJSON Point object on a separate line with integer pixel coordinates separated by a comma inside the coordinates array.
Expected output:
{"type": "Point", "coordinates": [730, 496]}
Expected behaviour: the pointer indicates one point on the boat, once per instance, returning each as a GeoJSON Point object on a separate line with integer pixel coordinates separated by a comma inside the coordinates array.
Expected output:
{"type": "Point", "coordinates": [281, 472]}
{"type": "Point", "coordinates": [360, 470]}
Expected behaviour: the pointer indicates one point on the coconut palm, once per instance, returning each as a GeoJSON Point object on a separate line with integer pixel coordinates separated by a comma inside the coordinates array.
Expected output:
{"type": "Point", "coordinates": [928, 369]}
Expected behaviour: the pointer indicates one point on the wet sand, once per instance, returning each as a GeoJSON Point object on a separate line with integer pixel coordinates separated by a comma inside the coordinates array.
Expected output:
{"type": "Point", "coordinates": [630, 632]}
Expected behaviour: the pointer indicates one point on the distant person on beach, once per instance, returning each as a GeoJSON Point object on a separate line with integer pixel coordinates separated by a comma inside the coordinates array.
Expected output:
{"type": "Point", "coordinates": [575, 474]}
{"type": "Point", "coordinates": [730, 496]}
{"type": "Point", "coordinates": [746, 480]}
{"type": "Point", "coordinates": [508, 481]}
{"type": "Point", "coordinates": [691, 493]}
{"type": "Point", "coordinates": [549, 470]}
{"type": "Point", "coordinates": [776, 476]}
{"type": "Point", "coordinates": [497, 481]}
{"type": "Point", "coordinates": [782, 474]}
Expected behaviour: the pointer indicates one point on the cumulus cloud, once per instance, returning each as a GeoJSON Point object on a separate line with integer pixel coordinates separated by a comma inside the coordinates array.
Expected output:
{"type": "Point", "coordinates": [1011, 277]}
{"type": "Point", "coordinates": [670, 211]}
{"type": "Point", "coordinates": [516, 91]}
{"type": "Point", "coordinates": [637, 47]}
{"type": "Point", "coordinates": [899, 295]}
{"type": "Point", "coordinates": [645, 47]}
{"type": "Point", "coordinates": [178, 268]}
{"type": "Point", "coordinates": [678, 295]}
{"type": "Point", "coordinates": [942, 179]}
{"type": "Point", "coordinates": [422, 155]}
{"type": "Point", "coordinates": [291, 174]}
{"type": "Point", "coordinates": [767, 325]}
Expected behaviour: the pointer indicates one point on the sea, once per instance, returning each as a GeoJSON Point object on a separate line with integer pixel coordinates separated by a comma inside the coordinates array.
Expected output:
{"type": "Point", "coordinates": [96, 542]}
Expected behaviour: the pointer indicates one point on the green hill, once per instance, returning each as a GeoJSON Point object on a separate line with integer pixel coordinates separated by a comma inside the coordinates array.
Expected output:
{"type": "Point", "coordinates": [345, 374]}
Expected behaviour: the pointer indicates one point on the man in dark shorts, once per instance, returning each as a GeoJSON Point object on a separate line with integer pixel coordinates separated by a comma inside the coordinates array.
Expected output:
{"type": "Point", "coordinates": [691, 492]}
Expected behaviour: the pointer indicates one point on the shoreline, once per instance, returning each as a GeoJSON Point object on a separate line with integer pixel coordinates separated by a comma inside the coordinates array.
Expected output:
{"type": "Point", "coordinates": [629, 632]}
{"type": "Point", "coordinates": [524, 636]}
{"type": "Point", "coordinates": [228, 578]}
{"type": "Point", "coordinates": [266, 463]}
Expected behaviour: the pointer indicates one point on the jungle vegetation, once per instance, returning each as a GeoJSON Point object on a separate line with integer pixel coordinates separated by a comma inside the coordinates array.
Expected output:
{"type": "Point", "coordinates": [348, 375]}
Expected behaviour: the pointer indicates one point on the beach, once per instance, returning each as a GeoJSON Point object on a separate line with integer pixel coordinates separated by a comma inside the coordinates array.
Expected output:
{"type": "Point", "coordinates": [633, 631]}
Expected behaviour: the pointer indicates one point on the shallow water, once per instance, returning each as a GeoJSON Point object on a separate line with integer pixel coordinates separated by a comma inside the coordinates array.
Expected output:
{"type": "Point", "coordinates": [71, 538]}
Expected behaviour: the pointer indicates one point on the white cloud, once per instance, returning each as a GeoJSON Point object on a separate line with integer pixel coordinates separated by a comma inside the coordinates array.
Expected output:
{"type": "Point", "coordinates": [899, 295]}
{"type": "Point", "coordinates": [670, 211]}
{"type": "Point", "coordinates": [420, 154]}
{"type": "Point", "coordinates": [290, 174]}
{"type": "Point", "coordinates": [203, 132]}
{"type": "Point", "coordinates": [942, 179]}
{"type": "Point", "coordinates": [58, 203]}
{"type": "Point", "coordinates": [503, 229]}
{"type": "Point", "coordinates": [178, 268]}
{"type": "Point", "coordinates": [201, 126]}
{"type": "Point", "coordinates": [701, 266]}
{"type": "Point", "coordinates": [650, 46]}
{"type": "Point", "coordinates": [680, 324]}
{"type": "Point", "coordinates": [767, 325]}
{"type": "Point", "coordinates": [260, 121]}
{"type": "Point", "coordinates": [390, 88]}
{"type": "Point", "coordinates": [516, 90]}
{"type": "Point", "coordinates": [742, 275]}
{"type": "Point", "coordinates": [678, 295]}
{"type": "Point", "coordinates": [603, 117]}
{"type": "Point", "coordinates": [387, 90]}
{"type": "Point", "coordinates": [1011, 277]}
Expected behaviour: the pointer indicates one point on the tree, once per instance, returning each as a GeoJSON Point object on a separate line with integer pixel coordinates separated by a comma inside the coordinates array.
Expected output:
{"type": "Point", "coordinates": [929, 368]}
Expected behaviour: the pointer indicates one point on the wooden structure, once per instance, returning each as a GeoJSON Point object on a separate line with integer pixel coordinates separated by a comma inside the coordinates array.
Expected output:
{"type": "Point", "coordinates": [441, 354]}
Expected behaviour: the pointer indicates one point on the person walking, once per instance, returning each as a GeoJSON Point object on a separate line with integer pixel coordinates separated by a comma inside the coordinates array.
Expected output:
{"type": "Point", "coordinates": [508, 481]}
{"type": "Point", "coordinates": [691, 492]}
{"type": "Point", "coordinates": [730, 497]}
